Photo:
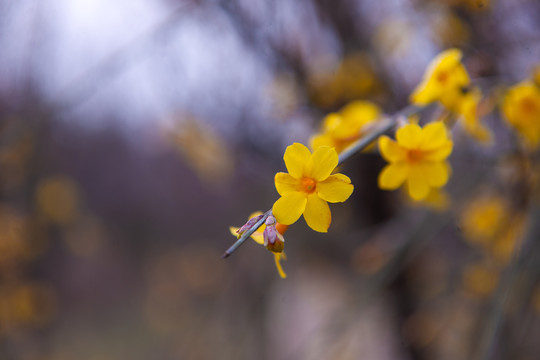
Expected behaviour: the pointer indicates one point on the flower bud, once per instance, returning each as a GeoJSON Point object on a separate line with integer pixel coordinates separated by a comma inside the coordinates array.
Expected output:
{"type": "Point", "coordinates": [251, 222]}
{"type": "Point", "coordinates": [273, 240]}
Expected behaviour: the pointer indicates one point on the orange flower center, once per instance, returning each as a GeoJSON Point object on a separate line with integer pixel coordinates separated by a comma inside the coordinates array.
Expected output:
{"type": "Point", "coordinates": [528, 105]}
{"type": "Point", "coordinates": [308, 185]}
{"type": "Point", "coordinates": [415, 155]}
{"type": "Point", "coordinates": [442, 77]}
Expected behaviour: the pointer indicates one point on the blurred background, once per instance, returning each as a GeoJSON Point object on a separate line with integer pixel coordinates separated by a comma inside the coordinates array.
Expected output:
{"type": "Point", "coordinates": [134, 133]}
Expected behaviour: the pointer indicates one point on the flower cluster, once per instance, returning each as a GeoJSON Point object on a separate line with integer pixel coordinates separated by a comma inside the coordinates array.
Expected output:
{"type": "Point", "coordinates": [417, 154]}
{"type": "Point", "coordinates": [447, 82]}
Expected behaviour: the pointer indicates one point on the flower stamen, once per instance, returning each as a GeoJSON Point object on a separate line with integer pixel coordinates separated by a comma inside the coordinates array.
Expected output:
{"type": "Point", "coordinates": [308, 185]}
{"type": "Point", "coordinates": [442, 77]}
{"type": "Point", "coordinates": [415, 155]}
{"type": "Point", "coordinates": [528, 105]}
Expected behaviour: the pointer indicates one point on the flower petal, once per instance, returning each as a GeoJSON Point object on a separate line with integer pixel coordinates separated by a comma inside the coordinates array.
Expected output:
{"type": "Point", "coordinates": [296, 158]}
{"type": "Point", "coordinates": [336, 188]}
{"type": "Point", "coordinates": [393, 175]}
{"type": "Point", "coordinates": [434, 135]}
{"type": "Point", "coordinates": [286, 183]}
{"type": "Point", "coordinates": [439, 154]}
{"type": "Point", "coordinates": [317, 213]}
{"type": "Point", "coordinates": [258, 236]}
{"type": "Point", "coordinates": [390, 150]}
{"type": "Point", "coordinates": [409, 136]}
{"type": "Point", "coordinates": [436, 173]}
{"type": "Point", "coordinates": [417, 183]}
{"type": "Point", "coordinates": [425, 93]}
{"type": "Point", "coordinates": [319, 140]}
{"type": "Point", "coordinates": [360, 112]}
{"type": "Point", "coordinates": [233, 230]}
{"type": "Point", "coordinates": [277, 259]}
{"type": "Point", "coordinates": [288, 208]}
{"type": "Point", "coordinates": [321, 163]}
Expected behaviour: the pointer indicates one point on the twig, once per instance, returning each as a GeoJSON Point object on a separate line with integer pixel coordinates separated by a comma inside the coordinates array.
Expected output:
{"type": "Point", "coordinates": [246, 235]}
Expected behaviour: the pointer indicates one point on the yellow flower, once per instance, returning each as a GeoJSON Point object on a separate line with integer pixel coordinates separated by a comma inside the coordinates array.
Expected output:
{"type": "Point", "coordinates": [258, 237]}
{"type": "Point", "coordinates": [444, 81]}
{"type": "Point", "coordinates": [480, 279]}
{"type": "Point", "coordinates": [489, 222]}
{"type": "Point", "coordinates": [418, 157]}
{"type": "Point", "coordinates": [468, 109]}
{"type": "Point", "coordinates": [341, 129]}
{"type": "Point", "coordinates": [308, 186]}
{"type": "Point", "coordinates": [481, 220]}
{"type": "Point", "coordinates": [521, 108]}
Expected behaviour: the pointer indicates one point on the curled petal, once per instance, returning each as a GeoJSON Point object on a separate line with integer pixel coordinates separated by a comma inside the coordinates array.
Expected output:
{"type": "Point", "coordinates": [288, 208]}
{"type": "Point", "coordinates": [409, 136]}
{"type": "Point", "coordinates": [393, 175]}
{"type": "Point", "coordinates": [296, 157]}
{"type": "Point", "coordinates": [336, 188]}
{"type": "Point", "coordinates": [317, 213]}
{"type": "Point", "coordinates": [390, 150]}
{"type": "Point", "coordinates": [277, 259]}
{"type": "Point", "coordinates": [322, 162]}
{"type": "Point", "coordinates": [418, 185]}
{"type": "Point", "coordinates": [286, 183]}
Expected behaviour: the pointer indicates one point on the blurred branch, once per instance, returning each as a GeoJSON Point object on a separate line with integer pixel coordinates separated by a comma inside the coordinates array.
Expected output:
{"type": "Point", "coordinates": [530, 253]}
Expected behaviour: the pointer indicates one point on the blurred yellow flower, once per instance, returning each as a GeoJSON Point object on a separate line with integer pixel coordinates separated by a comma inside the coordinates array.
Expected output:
{"type": "Point", "coordinates": [331, 83]}
{"type": "Point", "coordinates": [417, 157]}
{"type": "Point", "coordinates": [521, 109]}
{"type": "Point", "coordinates": [468, 109]}
{"type": "Point", "coordinates": [258, 237]}
{"type": "Point", "coordinates": [444, 81]}
{"type": "Point", "coordinates": [489, 223]}
{"type": "Point", "coordinates": [480, 280]}
{"type": "Point", "coordinates": [341, 129]}
{"type": "Point", "coordinates": [57, 198]}
{"type": "Point", "coordinates": [203, 149]}
{"type": "Point", "coordinates": [309, 186]}
{"type": "Point", "coordinates": [481, 219]}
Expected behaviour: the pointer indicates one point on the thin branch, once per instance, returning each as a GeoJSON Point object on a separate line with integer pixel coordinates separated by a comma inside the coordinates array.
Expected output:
{"type": "Point", "coordinates": [246, 235]}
